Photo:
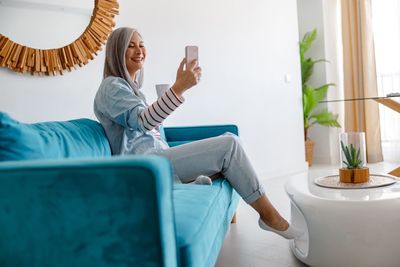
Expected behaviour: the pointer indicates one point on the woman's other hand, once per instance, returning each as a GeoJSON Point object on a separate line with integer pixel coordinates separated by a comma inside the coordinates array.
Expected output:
{"type": "Point", "coordinates": [186, 78]}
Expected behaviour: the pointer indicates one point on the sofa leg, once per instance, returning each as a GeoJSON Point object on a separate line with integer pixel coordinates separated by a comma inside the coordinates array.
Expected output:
{"type": "Point", "coordinates": [234, 218]}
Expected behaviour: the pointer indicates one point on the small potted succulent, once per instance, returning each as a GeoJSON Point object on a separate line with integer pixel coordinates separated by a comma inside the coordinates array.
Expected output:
{"type": "Point", "coordinates": [354, 172]}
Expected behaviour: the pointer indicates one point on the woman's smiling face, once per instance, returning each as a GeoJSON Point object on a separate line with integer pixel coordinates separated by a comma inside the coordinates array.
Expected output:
{"type": "Point", "coordinates": [135, 54]}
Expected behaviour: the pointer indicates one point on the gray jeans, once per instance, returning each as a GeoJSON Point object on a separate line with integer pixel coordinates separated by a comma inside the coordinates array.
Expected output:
{"type": "Point", "coordinates": [222, 154]}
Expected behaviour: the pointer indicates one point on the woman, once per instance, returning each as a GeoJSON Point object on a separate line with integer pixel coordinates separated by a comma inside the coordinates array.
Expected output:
{"type": "Point", "coordinates": [132, 125]}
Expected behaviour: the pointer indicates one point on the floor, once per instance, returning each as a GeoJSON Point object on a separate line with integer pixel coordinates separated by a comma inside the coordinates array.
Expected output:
{"type": "Point", "coordinates": [247, 246]}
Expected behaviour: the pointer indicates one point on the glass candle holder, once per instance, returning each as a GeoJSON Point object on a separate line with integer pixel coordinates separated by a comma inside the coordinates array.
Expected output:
{"type": "Point", "coordinates": [356, 140]}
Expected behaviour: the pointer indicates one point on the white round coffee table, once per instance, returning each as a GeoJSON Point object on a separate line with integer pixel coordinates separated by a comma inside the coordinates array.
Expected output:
{"type": "Point", "coordinates": [345, 227]}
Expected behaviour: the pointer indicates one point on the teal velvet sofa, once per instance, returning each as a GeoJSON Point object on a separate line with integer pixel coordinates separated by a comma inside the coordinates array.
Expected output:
{"type": "Point", "coordinates": [65, 201]}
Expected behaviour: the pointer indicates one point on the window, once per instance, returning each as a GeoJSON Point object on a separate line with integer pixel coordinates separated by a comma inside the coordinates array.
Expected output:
{"type": "Point", "coordinates": [386, 27]}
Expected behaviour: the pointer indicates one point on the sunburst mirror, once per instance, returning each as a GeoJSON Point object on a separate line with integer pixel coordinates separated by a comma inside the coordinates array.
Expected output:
{"type": "Point", "coordinates": [51, 61]}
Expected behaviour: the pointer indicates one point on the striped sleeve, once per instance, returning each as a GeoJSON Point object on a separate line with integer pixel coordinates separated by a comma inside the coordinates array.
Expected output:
{"type": "Point", "coordinates": [157, 112]}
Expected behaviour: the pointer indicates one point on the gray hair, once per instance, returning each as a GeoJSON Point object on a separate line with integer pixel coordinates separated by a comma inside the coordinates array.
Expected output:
{"type": "Point", "coordinates": [115, 64]}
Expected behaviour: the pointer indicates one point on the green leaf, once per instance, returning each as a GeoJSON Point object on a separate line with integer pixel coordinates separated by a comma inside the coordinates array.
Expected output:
{"type": "Point", "coordinates": [352, 156]}
{"type": "Point", "coordinates": [346, 153]}
{"type": "Point", "coordinates": [358, 157]}
{"type": "Point", "coordinates": [325, 118]}
{"type": "Point", "coordinates": [307, 69]}
{"type": "Point", "coordinates": [348, 166]}
{"type": "Point", "coordinates": [320, 92]}
{"type": "Point", "coordinates": [309, 101]}
{"type": "Point", "coordinates": [307, 40]}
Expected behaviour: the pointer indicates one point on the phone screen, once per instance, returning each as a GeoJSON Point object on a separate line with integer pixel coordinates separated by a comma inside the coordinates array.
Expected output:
{"type": "Point", "coordinates": [191, 53]}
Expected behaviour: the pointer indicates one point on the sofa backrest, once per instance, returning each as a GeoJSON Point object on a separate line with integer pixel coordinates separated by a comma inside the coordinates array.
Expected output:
{"type": "Point", "coordinates": [51, 140]}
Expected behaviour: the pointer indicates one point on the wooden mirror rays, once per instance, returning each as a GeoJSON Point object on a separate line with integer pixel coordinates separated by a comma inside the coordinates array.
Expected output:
{"type": "Point", "coordinates": [55, 61]}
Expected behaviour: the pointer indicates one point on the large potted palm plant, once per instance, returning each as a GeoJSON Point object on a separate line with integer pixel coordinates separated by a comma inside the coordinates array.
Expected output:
{"type": "Point", "coordinates": [313, 95]}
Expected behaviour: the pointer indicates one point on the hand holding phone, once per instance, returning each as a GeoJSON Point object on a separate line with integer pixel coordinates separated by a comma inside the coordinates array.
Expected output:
{"type": "Point", "coordinates": [187, 77]}
{"type": "Point", "coordinates": [191, 53]}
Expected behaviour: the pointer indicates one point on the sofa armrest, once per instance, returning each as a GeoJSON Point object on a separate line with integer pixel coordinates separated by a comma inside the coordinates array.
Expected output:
{"type": "Point", "coordinates": [184, 134]}
{"type": "Point", "coordinates": [88, 212]}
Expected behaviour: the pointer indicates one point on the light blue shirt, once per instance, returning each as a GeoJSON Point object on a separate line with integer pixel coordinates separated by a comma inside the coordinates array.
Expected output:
{"type": "Point", "coordinates": [118, 109]}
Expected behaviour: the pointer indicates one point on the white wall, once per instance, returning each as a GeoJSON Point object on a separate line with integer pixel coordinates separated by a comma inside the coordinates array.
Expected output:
{"type": "Point", "coordinates": [246, 51]}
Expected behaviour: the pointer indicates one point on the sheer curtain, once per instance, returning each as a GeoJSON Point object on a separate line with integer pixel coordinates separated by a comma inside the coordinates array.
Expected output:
{"type": "Point", "coordinates": [360, 74]}
{"type": "Point", "coordinates": [386, 27]}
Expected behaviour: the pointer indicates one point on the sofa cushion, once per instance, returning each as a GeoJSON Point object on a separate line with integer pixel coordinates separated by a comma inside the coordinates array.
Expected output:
{"type": "Point", "coordinates": [51, 140]}
{"type": "Point", "coordinates": [162, 133]}
{"type": "Point", "coordinates": [202, 215]}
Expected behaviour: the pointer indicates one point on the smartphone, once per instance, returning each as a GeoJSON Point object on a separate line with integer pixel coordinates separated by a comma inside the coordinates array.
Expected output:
{"type": "Point", "coordinates": [191, 53]}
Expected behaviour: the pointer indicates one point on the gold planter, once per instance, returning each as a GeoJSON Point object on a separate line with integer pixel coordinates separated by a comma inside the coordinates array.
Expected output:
{"type": "Point", "coordinates": [355, 176]}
